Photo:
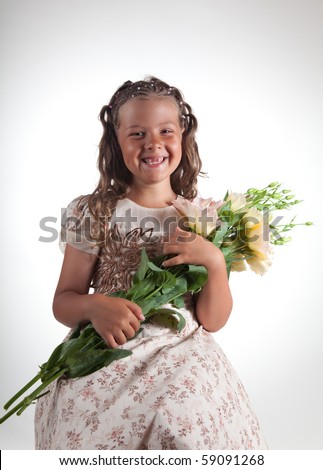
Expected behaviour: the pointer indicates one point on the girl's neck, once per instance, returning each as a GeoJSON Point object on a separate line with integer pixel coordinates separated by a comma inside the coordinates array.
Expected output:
{"type": "Point", "coordinates": [153, 197]}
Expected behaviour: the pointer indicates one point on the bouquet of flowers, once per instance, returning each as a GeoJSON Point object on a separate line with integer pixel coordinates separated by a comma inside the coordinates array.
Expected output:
{"type": "Point", "coordinates": [242, 226]}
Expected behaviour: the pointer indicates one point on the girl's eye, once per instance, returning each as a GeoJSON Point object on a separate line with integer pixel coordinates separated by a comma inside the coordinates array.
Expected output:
{"type": "Point", "coordinates": [137, 134]}
{"type": "Point", "coordinates": [167, 131]}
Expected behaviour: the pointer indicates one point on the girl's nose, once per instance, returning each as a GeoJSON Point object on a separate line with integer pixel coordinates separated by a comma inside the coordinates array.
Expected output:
{"type": "Point", "coordinates": [152, 143]}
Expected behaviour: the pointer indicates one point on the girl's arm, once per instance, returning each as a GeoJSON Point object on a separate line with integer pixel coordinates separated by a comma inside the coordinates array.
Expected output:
{"type": "Point", "coordinates": [115, 319]}
{"type": "Point", "coordinates": [214, 302]}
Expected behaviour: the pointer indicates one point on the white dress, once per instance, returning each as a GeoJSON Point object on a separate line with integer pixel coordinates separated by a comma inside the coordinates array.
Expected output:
{"type": "Point", "coordinates": [176, 391]}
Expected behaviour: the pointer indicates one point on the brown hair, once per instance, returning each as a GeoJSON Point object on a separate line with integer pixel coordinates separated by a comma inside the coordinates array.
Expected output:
{"type": "Point", "coordinates": [115, 178]}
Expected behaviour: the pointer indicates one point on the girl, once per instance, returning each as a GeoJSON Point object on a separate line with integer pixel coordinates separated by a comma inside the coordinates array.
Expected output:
{"type": "Point", "coordinates": [177, 390]}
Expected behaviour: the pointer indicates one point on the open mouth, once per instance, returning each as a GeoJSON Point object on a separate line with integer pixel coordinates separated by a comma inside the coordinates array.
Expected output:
{"type": "Point", "coordinates": [154, 161]}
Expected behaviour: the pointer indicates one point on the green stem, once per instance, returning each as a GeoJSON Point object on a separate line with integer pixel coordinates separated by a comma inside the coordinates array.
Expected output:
{"type": "Point", "coordinates": [26, 387]}
{"type": "Point", "coordinates": [151, 293]}
{"type": "Point", "coordinates": [30, 398]}
{"type": "Point", "coordinates": [170, 299]}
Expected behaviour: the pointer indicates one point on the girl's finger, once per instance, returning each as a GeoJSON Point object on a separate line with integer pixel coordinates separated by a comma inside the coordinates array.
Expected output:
{"type": "Point", "coordinates": [135, 324]}
{"type": "Point", "coordinates": [120, 338]}
{"type": "Point", "coordinates": [172, 261]}
{"type": "Point", "coordinates": [175, 249]}
{"type": "Point", "coordinates": [129, 332]}
{"type": "Point", "coordinates": [135, 309]}
{"type": "Point", "coordinates": [170, 249]}
{"type": "Point", "coordinates": [110, 342]}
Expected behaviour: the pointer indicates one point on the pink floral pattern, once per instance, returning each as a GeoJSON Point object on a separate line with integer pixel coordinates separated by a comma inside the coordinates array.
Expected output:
{"type": "Point", "coordinates": [176, 391]}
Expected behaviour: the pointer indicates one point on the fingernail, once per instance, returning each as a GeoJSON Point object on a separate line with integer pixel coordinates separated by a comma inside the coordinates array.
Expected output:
{"type": "Point", "coordinates": [142, 317]}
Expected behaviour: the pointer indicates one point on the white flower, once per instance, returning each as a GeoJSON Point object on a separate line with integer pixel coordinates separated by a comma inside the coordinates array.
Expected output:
{"type": "Point", "coordinates": [257, 232]}
{"type": "Point", "coordinates": [258, 265]}
{"type": "Point", "coordinates": [238, 264]}
{"type": "Point", "coordinates": [201, 214]}
{"type": "Point", "coordinates": [238, 201]}
{"type": "Point", "coordinates": [258, 240]}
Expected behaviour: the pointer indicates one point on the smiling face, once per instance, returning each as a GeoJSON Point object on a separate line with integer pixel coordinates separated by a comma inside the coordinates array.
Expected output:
{"type": "Point", "coordinates": [150, 138]}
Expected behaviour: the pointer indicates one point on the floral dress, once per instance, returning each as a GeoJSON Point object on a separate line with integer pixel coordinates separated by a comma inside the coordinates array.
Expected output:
{"type": "Point", "coordinates": [176, 391]}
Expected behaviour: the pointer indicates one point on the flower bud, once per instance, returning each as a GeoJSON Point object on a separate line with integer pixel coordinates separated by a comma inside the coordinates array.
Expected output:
{"type": "Point", "coordinates": [284, 240]}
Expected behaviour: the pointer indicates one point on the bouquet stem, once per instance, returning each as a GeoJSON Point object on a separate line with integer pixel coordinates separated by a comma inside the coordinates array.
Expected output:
{"type": "Point", "coordinates": [85, 351]}
{"type": "Point", "coordinates": [23, 404]}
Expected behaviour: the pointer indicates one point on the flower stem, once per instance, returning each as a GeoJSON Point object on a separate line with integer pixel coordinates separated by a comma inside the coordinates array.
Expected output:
{"type": "Point", "coordinates": [26, 387]}
{"type": "Point", "coordinates": [30, 398]}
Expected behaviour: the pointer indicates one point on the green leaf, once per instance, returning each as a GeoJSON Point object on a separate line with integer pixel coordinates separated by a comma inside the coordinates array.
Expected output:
{"type": "Point", "coordinates": [47, 376]}
{"type": "Point", "coordinates": [220, 234]}
{"type": "Point", "coordinates": [228, 267]}
{"type": "Point", "coordinates": [164, 278]}
{"type": "Point", "coordinates": [237, 217]}
{"type": "Point", "coordinates": [93, 342]}
{"type": "Point", "coordinates": [76, 332]}
{"type": "Point", "coordinates": [196, 277]}
{"type": "Point", "coordinates": [169, 313]}
{"type": "Point", "coordinates": [60, 353]}
{"type": "Point", "coordinates": [162, 299]}
{"type": "Point", "coordinates": [118, 293]}
{"type": "Point", "coordinates": [153, 267]}
{"type": "Point", "coordinates": [168, 288]}
{"type": "Point", "coordinates": [147, 304]}
{"type": "Point", "coordinates": [227, 252]}
{"type": "Point", "coordinates": [143, 289]}
{"type": "Point", "coordinates": [224, 209]}
{"type": "Point", "coordinates": [181, 287]}
{"type": "Point", "coordinates": [143, 267]}
{"type": "Point", "coordinates": [88, 331]}
{"type": "Point", "coordinates": [158, 260]}
{"type": "Point", "coordinates": [179, 302]}
{"type": "Point", "coordinates": [181, 323]}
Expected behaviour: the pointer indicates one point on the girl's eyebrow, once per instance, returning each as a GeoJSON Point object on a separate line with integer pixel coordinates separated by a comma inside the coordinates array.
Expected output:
{"type": "Point", "coordinates": [161, 124]}
{"type": "Point", "coordinates": [167, 123]}
{"type": "Point", "coordinates": [134, 125]}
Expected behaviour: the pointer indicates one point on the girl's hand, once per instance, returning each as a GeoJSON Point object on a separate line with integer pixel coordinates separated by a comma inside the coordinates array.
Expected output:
{"type": "Point", "coordinates": [115, 319]}
{"type": "Point", "coordinates": [190, 248]}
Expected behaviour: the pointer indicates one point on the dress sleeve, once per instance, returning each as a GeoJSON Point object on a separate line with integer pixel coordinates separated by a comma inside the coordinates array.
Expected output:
{"type": "Point", "coordinates": [77, 222]}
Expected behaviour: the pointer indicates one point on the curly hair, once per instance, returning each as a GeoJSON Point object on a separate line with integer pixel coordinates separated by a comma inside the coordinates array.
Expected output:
{"type": "Point", "coordinates": [115, 178]}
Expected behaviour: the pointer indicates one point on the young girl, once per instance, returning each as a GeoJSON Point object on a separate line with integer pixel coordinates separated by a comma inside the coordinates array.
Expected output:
{"type": "Point", "coordinates": [177, 390]}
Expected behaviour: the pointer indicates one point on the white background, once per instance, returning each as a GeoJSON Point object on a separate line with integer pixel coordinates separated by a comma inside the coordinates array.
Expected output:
{"type": "Point", "coordinates": [253, 72]}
